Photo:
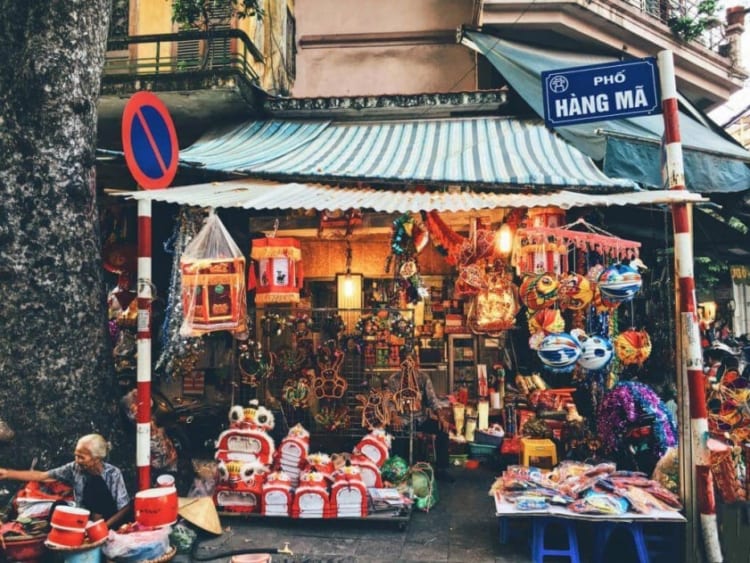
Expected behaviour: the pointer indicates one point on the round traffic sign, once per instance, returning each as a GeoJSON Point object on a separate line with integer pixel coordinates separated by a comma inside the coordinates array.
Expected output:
{"type": "Point", "coordinates": [149, 141]}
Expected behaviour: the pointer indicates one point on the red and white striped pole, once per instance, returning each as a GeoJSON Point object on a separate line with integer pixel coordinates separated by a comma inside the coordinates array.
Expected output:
{"type": "Point", "coordinates": [692, 359]}
{"type": "Point", "coordinates": [145, 295]}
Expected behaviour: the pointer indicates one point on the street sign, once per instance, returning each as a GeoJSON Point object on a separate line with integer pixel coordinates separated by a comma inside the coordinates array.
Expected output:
{"type": "Point", "coordinates": [596, 92]}
{"type": "Point", "coordinates": [149, 141]}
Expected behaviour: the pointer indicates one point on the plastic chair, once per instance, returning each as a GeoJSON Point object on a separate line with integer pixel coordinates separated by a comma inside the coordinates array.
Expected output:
{"type": "Point", "coordinates": [603, 531]}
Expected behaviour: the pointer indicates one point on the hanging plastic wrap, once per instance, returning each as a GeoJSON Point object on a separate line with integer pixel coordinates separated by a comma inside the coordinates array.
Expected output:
{"type": "Point", "coordinates": [213, 282]}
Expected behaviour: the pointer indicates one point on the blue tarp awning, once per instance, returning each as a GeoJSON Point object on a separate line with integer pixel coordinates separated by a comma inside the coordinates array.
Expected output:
{"type": "Point", "coordinates": [485, 152]}
{"type": "Point", "coordinates": [629, 147]}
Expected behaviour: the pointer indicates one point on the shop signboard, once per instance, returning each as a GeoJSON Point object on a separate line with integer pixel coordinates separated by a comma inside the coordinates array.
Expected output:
{"type": "Point", "coordinates": [604, 91]}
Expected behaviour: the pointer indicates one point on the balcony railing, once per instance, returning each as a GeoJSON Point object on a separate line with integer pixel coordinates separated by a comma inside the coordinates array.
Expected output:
{"type": "Point", "coordinates": [184, 52]}
{"type": "Point", "coordinates": [711, 37]}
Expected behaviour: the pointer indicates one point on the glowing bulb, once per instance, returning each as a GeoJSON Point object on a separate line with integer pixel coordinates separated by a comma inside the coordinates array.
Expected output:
{"type": "Point", "coordinates": [348, 286]}
{"type": "Point", "coordinates": [504, 239]}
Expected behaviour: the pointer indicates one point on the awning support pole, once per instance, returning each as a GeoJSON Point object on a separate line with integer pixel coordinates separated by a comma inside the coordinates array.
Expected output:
{"type": "Point", "coordinates": [690, 364]}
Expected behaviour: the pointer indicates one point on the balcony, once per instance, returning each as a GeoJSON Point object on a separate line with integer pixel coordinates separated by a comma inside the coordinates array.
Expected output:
{"type": "Point", "coordinates": [707, 73]}
{"type": "Point", "coordinates": [205, 78]}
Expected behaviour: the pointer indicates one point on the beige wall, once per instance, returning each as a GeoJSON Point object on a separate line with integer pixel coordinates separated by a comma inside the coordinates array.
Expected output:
{"type": "Point", "coordinates": [358, 47]}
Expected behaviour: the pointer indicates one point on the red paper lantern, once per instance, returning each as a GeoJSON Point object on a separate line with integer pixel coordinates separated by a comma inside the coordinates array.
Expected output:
{"type": "Point", "coordinates": [279, 276]}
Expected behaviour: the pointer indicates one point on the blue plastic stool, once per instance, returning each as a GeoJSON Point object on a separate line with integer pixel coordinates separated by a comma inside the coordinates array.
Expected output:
{"type": "Point", "coordinates": [539, 552]}
{"type": "Point", "coordinates": [603, 530]}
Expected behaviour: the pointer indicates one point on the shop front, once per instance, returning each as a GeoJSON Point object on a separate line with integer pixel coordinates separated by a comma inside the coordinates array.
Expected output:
{"type": "Point", "coordinates": [367, 287]}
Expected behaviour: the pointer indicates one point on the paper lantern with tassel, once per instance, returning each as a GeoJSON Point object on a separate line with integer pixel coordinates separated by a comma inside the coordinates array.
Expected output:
{"type": "Point", "coordinates": [279, 277]}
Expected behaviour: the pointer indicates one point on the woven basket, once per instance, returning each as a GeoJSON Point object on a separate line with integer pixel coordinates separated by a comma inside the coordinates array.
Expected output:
{"type": "Point", "coordinates": [164, 558]}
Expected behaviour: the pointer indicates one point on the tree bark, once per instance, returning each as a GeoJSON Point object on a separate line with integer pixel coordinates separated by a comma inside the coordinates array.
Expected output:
{"type": "Point", "coordinates": [56, 375]}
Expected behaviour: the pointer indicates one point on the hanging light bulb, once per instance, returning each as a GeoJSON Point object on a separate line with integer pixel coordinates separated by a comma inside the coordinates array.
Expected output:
{"type": "Point", "coordinates": [504, 239]}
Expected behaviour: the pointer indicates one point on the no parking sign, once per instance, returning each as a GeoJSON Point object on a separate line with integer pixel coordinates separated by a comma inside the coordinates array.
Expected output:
{"type": "Point", "coordinates": [149, 141]}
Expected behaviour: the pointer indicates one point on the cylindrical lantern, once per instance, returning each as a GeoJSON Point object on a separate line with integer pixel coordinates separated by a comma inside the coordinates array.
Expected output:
{"type": "Point", "coordinates": [279, 270]}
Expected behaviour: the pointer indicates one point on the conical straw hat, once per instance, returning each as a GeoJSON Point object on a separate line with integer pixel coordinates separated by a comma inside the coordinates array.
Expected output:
{"type": "Point", "coordinates": [201, 512]}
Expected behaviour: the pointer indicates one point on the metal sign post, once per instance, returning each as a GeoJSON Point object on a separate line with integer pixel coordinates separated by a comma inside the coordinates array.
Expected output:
{"type": "Point", "coordinates": [690, 367]}
{"type": "Point", "coordinates": [149, 141]}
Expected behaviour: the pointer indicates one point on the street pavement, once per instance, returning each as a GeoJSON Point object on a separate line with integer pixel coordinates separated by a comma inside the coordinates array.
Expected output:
{"type": "Point", "coordinates": [461, 527]}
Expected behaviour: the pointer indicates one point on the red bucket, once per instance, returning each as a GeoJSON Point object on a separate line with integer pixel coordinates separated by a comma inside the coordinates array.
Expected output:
{"type": "Point", "coordinates": [156, 507]}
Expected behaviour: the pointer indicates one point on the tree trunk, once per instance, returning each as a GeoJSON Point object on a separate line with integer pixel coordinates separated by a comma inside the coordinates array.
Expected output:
{"type": "Point", "coordinates": [56, 376]}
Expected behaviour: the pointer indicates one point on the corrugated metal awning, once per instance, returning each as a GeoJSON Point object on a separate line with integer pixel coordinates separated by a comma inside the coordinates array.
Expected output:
{"type": "Point", "coordinates": [260, 195]}
{"type": "Point", "coordinates": [497, 152]}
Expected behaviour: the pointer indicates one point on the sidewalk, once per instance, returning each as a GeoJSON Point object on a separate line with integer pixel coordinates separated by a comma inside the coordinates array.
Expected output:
{"type": "Point", "coordinates": [461, 527]}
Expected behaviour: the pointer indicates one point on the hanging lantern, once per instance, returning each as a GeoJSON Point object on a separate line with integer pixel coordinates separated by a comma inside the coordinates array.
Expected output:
{"type": "Point", "coordinates": [596, 352]}
{"type": "Point", "coordinates": [633, 346]}
{"type": "Point", "coordinates": [279, 276]}
{"type": "Point", "coordinates": [495, 307]}
{"type": "Point", "coordinates": [619, 283]}
{"type": "Point", "coordinates": [213, 282]}
{"type": "Point", "coordinates": [547, 321]}
{"type": "Point", "coordinates": [539, 291]}
{"type": "Point", "coordinates": [559, 352]}
{"type": "Point", "coordinates": [575, 292]}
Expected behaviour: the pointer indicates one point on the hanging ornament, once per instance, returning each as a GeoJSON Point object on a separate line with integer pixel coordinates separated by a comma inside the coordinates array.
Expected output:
{"type": "Point", "coordinates": [575, 292]}
{"type": "Point", "coordinates": [559, 352]}
{"type": "Point", "coordinates": [596, 352]}
{"type": "Point", "coordinates": [539, 290]}
{"type": "Point", "coordinates": [633, 347]}
{"type": "Point", "coordinates": [547, 321]}
{"type": "Point", "coordinates": [619, 283]}
{"type": "Point", "coordinates": [279, 270]}
{"type": "Point", "coordinates": [494, 309]}
{"type": "Point", "coordinates": [600, 304]}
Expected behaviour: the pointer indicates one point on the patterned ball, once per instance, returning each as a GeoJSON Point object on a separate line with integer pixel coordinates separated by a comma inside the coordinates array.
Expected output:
{"type": "Point", "coordinates": [619, 283]}
{"type": "Point", "coordinates": [559, 352]}
{"type": "Point", "coordinates": [575, 292]}
{"type": "Point", "coordinates": [538, 291]}
{"type": "Point", "coordinates": [596, 352]}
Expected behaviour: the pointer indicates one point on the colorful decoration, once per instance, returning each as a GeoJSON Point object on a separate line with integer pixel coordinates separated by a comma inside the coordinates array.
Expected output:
{"type": "Point", "coordinates": [628, 403]}
{"type": "Point", "coordinates": [619, 283]}
{"type": "Point", "coordinates": [213, 282]}
{"type": "Point", "coordinates": [494, 309]}
{"type": "Point", "coordinates": [378, 409]}
{"type": "Point", "coordinates": [296, 393]}
{"type": "Point", "coordinates": [240, 486]}
{"type": "Point", "coordinates": [280, 273]}
{"type": "Point", "coordinates": [546, 321]}
{"type": "Point", "coordinates": [539, 290]}
{"type": "Point", "coordinates": [596, 352]}
{"type": "Point", "coordinates": [327, 383]}
{"type": "Point", "coordinates": [333, 419]}
{"type": "Point", "coordinates": [575, 292]}
{"type": "Point", "coordinates": [633, 347]}
{"type": "Point", "coordinates": [559, 352]}
{"type": "Point", "coordinates": [408, 397]}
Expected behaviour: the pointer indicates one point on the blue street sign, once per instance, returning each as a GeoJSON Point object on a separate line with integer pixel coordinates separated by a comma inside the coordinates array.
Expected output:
{"type": "Point", "coordinates": [604, 91]}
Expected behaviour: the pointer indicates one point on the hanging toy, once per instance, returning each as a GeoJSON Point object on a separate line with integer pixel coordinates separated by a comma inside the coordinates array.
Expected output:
{"type": "Point", "coordinates": [633, 346]}
{"type": "Point", "coordinates": [619, 283]}
{"type": "Point", "coordinates": [600, 304]}
{"type": "Point", "coordinates": [559, 352]}
{"type": "Point", "coordinates": [539, 290]}
{"type": "Point", "coordinates": [575, 292]}
{"type": "Point", "coordinates": [596, 352]}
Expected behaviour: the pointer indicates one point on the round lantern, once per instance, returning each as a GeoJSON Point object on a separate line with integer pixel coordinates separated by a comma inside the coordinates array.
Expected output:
{"type": "Point", "coordinates": [633, 346]}
{"type": "Point", "coordinates": [279, 276]}
{"type": "Point", "coordinates": [575, 292]}
{"type": "Point", "coordinates": [559, 352]}
{"type": "Point", "coordinates": [600, 304]}
{"type": "Point", "coordinates": [539, 290]}
{"type": "Point", "coordinates": [596, 352]}
{"type": "Point", "coordinates": [619, 283]}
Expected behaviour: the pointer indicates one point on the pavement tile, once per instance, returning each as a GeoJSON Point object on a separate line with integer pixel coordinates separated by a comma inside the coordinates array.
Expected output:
{"type": "Point", "coordinates": [431, 551]}
{"type": "Point", "coordinates": [375, 549]}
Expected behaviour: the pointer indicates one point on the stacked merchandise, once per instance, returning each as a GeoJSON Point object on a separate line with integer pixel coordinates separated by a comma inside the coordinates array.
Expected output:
{"type": "Point", "coordinates": [277, 495]}
{"type": "Point", "coordinates": [348, 493]}
{"type": "Point", "coordinates": [292, 453]}
{"type": "Point", "coordinates": [311, 499]}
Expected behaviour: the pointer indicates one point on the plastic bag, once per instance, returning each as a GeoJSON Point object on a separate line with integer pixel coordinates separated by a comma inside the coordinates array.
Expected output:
{"type": "Point", "coordinates": [137, 546]}
{"type": "Point", "coordinates": [213, 282]}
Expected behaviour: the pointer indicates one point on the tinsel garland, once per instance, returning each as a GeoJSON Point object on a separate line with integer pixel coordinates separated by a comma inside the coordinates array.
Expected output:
{"type": "Point", "coordinates": [628, 403]}
{"type": "Point", "coordinates": [175, 348]}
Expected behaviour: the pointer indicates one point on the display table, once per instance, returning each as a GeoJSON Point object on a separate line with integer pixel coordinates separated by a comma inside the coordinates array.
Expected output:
{"type": "Point", "coordinates": [603, 526]}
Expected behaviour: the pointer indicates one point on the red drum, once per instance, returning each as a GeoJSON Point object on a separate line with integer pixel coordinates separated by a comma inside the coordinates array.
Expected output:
{"type": "Point", "coordinates": [69, 537]}
{"type": "Point", "coordinates": [70, 517]}
{"type": "Point", "coordinates": [156, 507]}
{"type": "Point", "coordinates": [96, 531]}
